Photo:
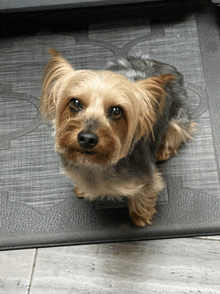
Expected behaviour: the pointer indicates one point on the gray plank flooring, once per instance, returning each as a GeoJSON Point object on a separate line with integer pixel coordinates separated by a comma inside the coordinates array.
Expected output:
{"type": "Point", "coordinates": [16, 271]}
{"type": "Point", "coordinates": [190, 265]}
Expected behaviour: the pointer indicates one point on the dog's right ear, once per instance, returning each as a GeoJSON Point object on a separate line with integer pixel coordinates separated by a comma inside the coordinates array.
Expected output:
{"type": "Point", "coordinates": [53, 78]}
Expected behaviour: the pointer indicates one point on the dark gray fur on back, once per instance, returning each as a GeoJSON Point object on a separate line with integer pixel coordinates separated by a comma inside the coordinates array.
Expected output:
{"type": "Point", "coordinates": [137, 68]}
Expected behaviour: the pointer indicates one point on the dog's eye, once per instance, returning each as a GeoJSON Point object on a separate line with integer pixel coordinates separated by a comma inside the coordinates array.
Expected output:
{"type": "Point", "coordinates": [75, 105]}
{"type": "Point", "coordinates": [115, 112]}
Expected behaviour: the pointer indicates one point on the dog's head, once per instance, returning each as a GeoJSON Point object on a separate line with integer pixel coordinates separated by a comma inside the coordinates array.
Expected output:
{"type": "Point", "coordinates": [98, 115]}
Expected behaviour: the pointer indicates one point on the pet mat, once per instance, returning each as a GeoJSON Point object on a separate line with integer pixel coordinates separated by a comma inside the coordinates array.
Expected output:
{"type": "Point", "coordinates": [37, 204]}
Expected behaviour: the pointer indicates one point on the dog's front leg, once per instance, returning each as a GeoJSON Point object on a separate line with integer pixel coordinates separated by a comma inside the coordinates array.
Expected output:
{"type": "Point", "coordinates": [142, 205]}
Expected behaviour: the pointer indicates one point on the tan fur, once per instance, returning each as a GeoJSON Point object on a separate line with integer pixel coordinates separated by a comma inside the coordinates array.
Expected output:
{"type": "Point", "coordinates": [94, 175]}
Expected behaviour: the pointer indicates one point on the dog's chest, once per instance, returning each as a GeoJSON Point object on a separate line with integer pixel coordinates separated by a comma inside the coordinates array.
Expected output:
{"type": "Point", "coordinates": [97, 178]}
{"type": "Point", "coordinates": [95, 182]}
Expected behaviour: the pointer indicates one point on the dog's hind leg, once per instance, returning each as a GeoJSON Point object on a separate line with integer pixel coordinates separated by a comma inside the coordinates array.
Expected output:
{"type": "Point", "coordinates": [180, 130]}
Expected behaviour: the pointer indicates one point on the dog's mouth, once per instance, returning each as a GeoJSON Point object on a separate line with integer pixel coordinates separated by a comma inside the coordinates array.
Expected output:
{"type": "Point", "coordinates": [87, 152]}
{"type": "Point", "coordinates": [88, 157]}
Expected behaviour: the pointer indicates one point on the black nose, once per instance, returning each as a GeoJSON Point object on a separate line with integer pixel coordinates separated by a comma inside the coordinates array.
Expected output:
{"type": "Point", "coordinates": [87, 140]}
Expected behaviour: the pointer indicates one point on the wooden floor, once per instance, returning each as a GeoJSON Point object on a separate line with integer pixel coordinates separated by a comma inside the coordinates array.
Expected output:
{"type": "Point", "coordinates": [163, 266]}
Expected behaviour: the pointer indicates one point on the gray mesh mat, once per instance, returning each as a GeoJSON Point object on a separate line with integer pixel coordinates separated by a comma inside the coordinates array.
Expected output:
{"type": "Point", "coordinates": [37, 205]}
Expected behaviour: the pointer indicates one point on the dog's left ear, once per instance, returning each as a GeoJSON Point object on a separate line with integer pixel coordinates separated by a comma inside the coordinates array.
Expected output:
{"type": "Point", "coordinates": [54, 73]}
{"type": "Point", "coordinates": [152, 100]}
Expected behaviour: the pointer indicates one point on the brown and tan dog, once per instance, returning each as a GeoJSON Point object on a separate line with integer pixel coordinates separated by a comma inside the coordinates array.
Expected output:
{"type": "Point", "coordinates": [112, 126]}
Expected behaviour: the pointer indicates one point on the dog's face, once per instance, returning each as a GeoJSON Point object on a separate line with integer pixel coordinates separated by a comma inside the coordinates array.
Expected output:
{"type": "Point", "coordinates": [98, 116]}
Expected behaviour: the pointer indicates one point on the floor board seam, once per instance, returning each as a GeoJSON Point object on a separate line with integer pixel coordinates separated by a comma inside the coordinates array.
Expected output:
{"type": "Point", "coordinates": [32, 271]}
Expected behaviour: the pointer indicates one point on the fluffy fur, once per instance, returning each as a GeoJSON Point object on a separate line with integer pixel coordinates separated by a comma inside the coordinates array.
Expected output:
{"type": "Point", "coordinates": [112, 126]}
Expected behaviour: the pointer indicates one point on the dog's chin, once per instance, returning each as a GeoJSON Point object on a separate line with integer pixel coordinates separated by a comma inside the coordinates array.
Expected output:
{"type": "Point", "coordinates": [90, 158]}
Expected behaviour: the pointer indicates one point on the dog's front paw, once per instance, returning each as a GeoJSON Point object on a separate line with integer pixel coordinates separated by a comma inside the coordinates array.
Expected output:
{"type": "Point", "coordinates": [138, 220]}
{"type": "Point", "coordinates": [140, 215]}
{"type": "Point", "coordinates": [79, 193]}
{"type": "Point", "coordinates": [142, 220]}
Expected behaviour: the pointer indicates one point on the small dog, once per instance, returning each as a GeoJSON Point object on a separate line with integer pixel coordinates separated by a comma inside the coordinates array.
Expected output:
{"type": "Point", "coordinates": [112, 126]}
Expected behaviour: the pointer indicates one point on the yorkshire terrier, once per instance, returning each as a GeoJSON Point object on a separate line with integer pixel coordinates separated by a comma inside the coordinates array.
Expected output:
{"type": "Point", "coordinates": [112, 126]}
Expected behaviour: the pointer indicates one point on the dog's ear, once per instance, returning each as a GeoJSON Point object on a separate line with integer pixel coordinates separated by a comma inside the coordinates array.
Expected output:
{"type": "Point", "coordinates": [54, 73]}
{"type": "Point", "coordinates": [152, 100]}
